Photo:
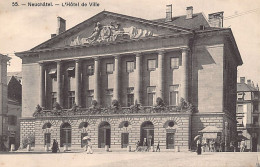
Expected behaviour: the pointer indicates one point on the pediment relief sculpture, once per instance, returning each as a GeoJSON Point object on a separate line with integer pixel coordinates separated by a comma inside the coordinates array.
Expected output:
{"type": "Point", "coordinates": [112, 32]}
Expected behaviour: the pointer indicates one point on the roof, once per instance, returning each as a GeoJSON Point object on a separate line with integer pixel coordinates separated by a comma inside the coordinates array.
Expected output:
{"type": "Point", "coordinates": [9, 79]}
{"type": "Point", "coordinates": [243, 87]}
{"type": "Point", "coordinates": [17, 75]}
{"type": "Point", "coordinates": [195, 22]}
{"type": "Point", "coordinates": [103, 14]}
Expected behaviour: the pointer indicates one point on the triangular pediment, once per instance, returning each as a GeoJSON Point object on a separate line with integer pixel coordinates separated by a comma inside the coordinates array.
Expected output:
{"type": "Point", "coordinates": [108, 27]}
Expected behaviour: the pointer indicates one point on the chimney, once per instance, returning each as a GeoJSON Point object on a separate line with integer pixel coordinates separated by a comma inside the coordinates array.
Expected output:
{"type": "Point", "coordinates": [242, 79]}
{"type": "Point", "coordinates": [168, 13]}
{"type": "Point", "coordinates": [216, 19]}
{"type": "Point", "coordinates": [61, 25]}
{"type": "Point", "coordinates": [189, 12]}
{"type": "Point", "coordinates": [53, 35]}
{"type": "Point", "coordinates": [249, 82]}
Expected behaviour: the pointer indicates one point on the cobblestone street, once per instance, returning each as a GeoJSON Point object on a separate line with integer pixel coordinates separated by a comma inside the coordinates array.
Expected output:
{"type": "Point", "coordinates": [126, 159]}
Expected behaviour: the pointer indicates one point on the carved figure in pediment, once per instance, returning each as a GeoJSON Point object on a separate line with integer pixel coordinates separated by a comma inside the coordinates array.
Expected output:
{"type": "Point", "coordinates": [95, 34]}
{"type": "Point", "coordinates": [111, 32]}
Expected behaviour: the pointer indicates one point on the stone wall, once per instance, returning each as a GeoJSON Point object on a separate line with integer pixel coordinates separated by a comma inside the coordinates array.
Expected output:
{"type": "Point", "coordinates": [181, 128]}
{"type": "Point", "coordinates": [27, 129]}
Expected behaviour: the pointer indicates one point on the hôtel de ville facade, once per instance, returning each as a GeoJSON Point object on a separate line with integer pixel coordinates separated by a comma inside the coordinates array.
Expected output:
{"type": "Point", "coordinates": [121, 79]}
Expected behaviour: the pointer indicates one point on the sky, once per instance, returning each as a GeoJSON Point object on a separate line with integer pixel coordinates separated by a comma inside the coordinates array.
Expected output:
{"type": "Point", "coordinates": [23, 27]}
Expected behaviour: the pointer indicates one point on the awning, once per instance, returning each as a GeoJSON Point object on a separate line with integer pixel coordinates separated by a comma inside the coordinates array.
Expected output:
{"type": "Point", "coordinates": [53, 71]}
{"type": "Point", "coordinates": [210, 135]}
{"type": "Point", "coordinates": [241, 137]}
{"type": "Point", "coordinates": [210, 129]}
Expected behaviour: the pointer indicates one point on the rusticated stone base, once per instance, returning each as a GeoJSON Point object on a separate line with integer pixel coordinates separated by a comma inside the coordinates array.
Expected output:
{"type": "Point", "coordinates": [181, 128]}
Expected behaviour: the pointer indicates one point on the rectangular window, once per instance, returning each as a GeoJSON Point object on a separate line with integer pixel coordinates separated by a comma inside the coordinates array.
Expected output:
{"type": "Point", "coordinates": [71, 71]}
{"type": "Point", "coordinates": [90, 97]}
{"type": "Point", "coordinates": [47, 138]}
{"type": "Point", "coordinates": [151, 95]}
{"type": "Point", "coordinates": [240, 108]}
{"type": "Point", "coordinates": [174, 95]}
{"type": "Point", "coordinates": [71, 98]}
{"type": "Point", "coordinates": [90, 70]}
{"type": "Point", "coordinates": [240, 96]}
{"type": "Point", "coordinates": [109, 95]}
{"type": "Point", "coordinates": [151, 64]}
{"type": "Point", "coordinates": [174, 63]}
{"type": "Point", "coordinates": [130, 96]}
{"type": "Point", "coordinates": [110, 68]}
{"type": "Point", "coordinates": [130, 65]}
{"type": "Point", "coordinates": [53, 98]}
{"type": "Point", "coordinates": [12, 120]}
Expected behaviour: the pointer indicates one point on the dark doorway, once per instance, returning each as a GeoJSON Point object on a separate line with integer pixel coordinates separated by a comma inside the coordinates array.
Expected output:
{"type": "Point", "coordinates": [104, 135]}
{"type": "Point", "coordinates": [124, 140]}
{"type": "Point", "coordinates": [147, 133]}
{"type": "Point", "coordinates": [169, 140]}
{"type": "Point", "coordinates": [254, 144]}
{"type": "Point", "coordinates": [65, 135]}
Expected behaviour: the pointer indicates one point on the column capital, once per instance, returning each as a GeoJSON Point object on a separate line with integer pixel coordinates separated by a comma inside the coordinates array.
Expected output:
{"type": "Point", "coordinates": [41, 63]}
{"type": "Point", "coordinates": [96, 58]}
{"type": "Point", "coordinates": [186, 48]}
{"type": "Point", "coordinates": [161, 52]}
{"type": "Point", "coordinates": [77, 60]}
{"type": "Point", "coordinates": [58, 61]}
{"type": "Point", "coordinates": [138, 54]}
{"type": "Point", "coordinates": [117, 56]}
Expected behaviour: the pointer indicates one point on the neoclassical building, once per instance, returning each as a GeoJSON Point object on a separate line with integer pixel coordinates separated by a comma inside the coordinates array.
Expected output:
{"type": "Point", "coordinates": [121, 79]}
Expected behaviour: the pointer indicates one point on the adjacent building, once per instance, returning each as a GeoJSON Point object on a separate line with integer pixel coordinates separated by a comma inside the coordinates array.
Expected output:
{"type": "Point", "coordinates": [14, 110]}
{"type": "Point", "coordinates": [248, 114]}
{"type": "Point", "coordinates": [121, 79]}
{"type": "Point", "coordinates": [3, 102]}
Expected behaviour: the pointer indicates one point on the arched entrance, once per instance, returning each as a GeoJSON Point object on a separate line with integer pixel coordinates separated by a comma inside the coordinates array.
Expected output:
{"type": "Point", "coordinates": [147, 133]}
{"type": "Point", "coordinates": [104, 134]}
{"type": "Point", "coordinates": [65, 134]}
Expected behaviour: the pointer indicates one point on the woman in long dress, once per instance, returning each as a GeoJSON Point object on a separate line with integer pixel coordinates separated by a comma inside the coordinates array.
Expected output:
{"type": "Point", "coordinates": [55, 146]}
{"type": "Point", "coordinates": [198, 147]}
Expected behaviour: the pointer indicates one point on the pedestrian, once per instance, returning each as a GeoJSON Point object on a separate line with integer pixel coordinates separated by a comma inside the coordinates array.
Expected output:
{"type": "Point", "coordinates": [55, 146]}
{"type": "Point", "coordinates": [158, 146]}
{"type": "Point", "coordinates": [221, 148]}
{"type": "Point", "coordinates": [242, 146]}
{"type": "Point", "coordinates": [89, 147]}
{"type": "Point", "coordinates": [137, 144]}
{"type": "Point", "coordinates": [198, 147]}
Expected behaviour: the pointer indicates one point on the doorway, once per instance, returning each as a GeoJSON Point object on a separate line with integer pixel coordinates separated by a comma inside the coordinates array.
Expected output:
{"type": "Point", "coordinates": [169, 140]}
{"type": "Point", "coordinates": [147, 134]}
{"type": "Point", "coordinates": [104, 135]}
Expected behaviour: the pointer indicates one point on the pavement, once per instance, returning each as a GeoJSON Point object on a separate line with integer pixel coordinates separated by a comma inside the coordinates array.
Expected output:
{"type": "Point", "coordinates": [130, 159]}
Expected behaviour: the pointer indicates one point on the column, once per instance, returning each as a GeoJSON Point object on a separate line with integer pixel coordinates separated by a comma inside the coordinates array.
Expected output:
{"type": "Point", "coordinates": [138, 79]}
{"type": "Point", "coordinates": [116, 78]}
{"type": "Point", "coordinates": [161, 74]}
{"type": "Point", "coordinates": [42, 85]}
{"type": "Point", "coordinates": [78, 82]}
{"type": "Point", "coordinates": [97, 79]}
{"type": "Point", "coordinates": [185, 75]}
{"type": "Point", "coordinates": [59, 82]}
